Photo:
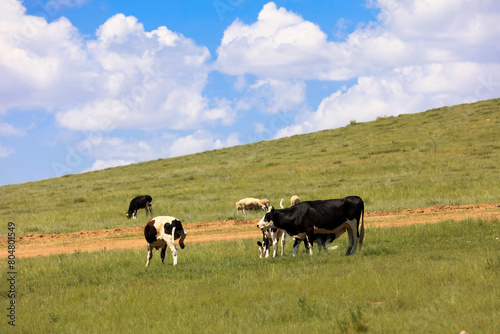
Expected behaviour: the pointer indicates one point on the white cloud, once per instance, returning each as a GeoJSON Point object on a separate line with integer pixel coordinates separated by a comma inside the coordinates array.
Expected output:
{"type": "Point", "coordinates": [40, 62]}
{"type": "Point", "coordinates": [416, 55]}
{"type": "Point", "coordinates": [103, 164]}
{"type": "Point", "coordinates": [125, 78]}
{"type": "Point", "coordinates": [6, 151]}
{"type": "Point", "coordinates": [280, 45]}
{"type": "Point", "coordinates": [273, 96]}
{"type": "Point", "coordinates": [109, 151]}
{"type": "Point", "coordinates": [7, 130]}
{"type": "Point", "coordinates": [150, 80]}
{"type": "Point", "coordinates": [201, 141]}
{"type": "Point", "coordinates": [403, 90]}
{"type": "Point", "coordinates": [104, 148]}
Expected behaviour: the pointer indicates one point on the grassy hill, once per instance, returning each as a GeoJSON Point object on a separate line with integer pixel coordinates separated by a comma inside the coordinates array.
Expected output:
{"type": "Point", "coordinates": [445, 156]}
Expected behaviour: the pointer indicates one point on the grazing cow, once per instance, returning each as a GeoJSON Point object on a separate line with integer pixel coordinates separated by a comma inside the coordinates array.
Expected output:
{"type": "Point", "coordinates": [161, 232]}
{"type": "Point", "coordinates": [140, 202]}
{"type": "Point", "coordinates": [269, 237]}
{"type": "Point", "coordinates": [249, 204]}
{"type": "Point", "coordinates": [334, 216]}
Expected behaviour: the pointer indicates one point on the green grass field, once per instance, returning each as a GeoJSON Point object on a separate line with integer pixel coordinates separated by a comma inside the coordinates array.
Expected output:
{"type": "Point", "coordinates": [446, 156]}
{"type": "Point", "coordinates": [436, 278]}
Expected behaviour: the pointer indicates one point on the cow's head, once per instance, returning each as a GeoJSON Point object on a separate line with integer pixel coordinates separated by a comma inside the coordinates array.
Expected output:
{"type": "Point", "coordinates": [177, 231]}
{"type": "Point", "coordinates": [267, 221]}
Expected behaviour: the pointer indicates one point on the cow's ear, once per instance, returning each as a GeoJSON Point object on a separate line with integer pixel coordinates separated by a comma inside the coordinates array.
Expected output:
{"type": "Point", "coordinates": [259, 243]}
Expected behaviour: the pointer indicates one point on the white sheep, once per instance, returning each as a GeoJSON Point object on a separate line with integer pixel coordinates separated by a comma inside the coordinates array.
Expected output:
{"type": "Point", "coordinates": [264, 203]}
{"type": "Point", "coordinates": [249, 204]}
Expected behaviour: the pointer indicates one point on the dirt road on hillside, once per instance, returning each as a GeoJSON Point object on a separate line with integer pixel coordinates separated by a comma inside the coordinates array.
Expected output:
{"type": "Point", "coordinates": [132, 237]}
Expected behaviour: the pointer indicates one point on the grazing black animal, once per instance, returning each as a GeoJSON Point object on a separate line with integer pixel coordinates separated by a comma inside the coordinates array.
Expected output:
{"type": "Point", "coordinates": [310, 218]}
{"type": "Point", "coordinates": [140, 202]}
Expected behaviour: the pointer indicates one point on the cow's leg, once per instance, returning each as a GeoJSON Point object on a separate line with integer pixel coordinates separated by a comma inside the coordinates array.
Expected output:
{"type": "Point", "coordinates": [162, 254]}
{"type": "Point", "coordinates": [296, 244]}
{"type": "Point", "coordinates": [274, 238]}
{"type": "Point", "coordinates": [310, 240]}
{"type": "Point", "coordinates": [321, 244]}
{"type": "Point", "coordinates": [283, 244]}
{"type": "Point", "coordinates": [134, 215]}
{"type": "Point", "coordinates": [353, 236]}
{"type": "Point", "coordinates": [150, 255]}
{"type": "Point", "coordinates": [173, 248]}
{"type": "Point", "coordinates": [349, 248]}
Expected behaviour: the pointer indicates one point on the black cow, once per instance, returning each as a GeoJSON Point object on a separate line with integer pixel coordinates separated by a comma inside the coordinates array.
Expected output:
{"type": "Point", "coordinates": [140, 202]}
{"type": "Point", "coordinates": [333, 216]}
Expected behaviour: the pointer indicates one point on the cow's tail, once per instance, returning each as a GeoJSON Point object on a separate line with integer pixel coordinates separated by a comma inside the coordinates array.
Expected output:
{"type": "Point", "coordinates": [362, 229]}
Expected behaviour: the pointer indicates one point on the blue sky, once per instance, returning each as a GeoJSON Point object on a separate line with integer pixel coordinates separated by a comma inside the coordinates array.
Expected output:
{"type": "Point", "coordinates": [91, 84]}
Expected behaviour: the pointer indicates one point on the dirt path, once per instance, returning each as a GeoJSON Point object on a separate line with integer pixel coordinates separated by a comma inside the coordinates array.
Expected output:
{"type": "Point", "coordinates": [132, 237]}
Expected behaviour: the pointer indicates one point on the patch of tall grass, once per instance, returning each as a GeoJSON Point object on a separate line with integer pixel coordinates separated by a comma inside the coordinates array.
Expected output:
{"type": "Point", "coordinates": [437, 278]}
{"type": "Point", "coordinates": [446, 156]}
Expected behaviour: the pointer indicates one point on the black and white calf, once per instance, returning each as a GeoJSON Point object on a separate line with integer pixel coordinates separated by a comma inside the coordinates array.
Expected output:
{"type": "Point", "coordinates": [161, 232]}
{"type": "Point", "coordinates": [269, 237]}
{"type": "Point", "coordinates": [140, 202]}
{"type": "Point", "coordinates": [310, 218]}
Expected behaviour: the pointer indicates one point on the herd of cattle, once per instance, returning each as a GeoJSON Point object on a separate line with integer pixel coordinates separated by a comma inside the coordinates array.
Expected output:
{"type": "Point", "coordinates": [320, 222]}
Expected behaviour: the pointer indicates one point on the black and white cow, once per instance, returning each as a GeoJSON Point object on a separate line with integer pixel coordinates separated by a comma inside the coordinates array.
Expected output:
{"type": "Point", "coordinates": [162, 231]}
{"type": "Point", "coordinates": [140, 202]}
{"type": "Point", "coordinates": [309, 218]}
{"type": "Point", "coordinates": [271, 237]}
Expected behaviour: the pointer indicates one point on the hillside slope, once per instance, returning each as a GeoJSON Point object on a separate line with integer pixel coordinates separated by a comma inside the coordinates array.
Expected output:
{"type": "Point", "coordinates": [446, 156]}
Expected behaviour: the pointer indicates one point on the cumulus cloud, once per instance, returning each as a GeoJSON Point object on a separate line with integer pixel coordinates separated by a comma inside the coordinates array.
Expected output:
{"type": "Point", "coordinates": [403, 90]}
{"type": "Point", "coordinates": [149, 80]}
{"type": "Point", "coordinates": [199, 141]}
{"type": "Point", "coordinates": [414, 55]}
{"type": "Point", "coordinates": [110, 151]}
{"type": "Point", "coordinates": [7, 130]}
{"type": "Point", "coordinates": [6, 151]}
{"type": "Point", "coordinates": [39, 61]}
{"type": "Point", "coordinates": [273, 96]}
{"type": "Point", "coordinates": [280, 45]}
{"type": "Point", "coordinates": [123, 78]}
{"type": "Point", "coordinates": [126, 77]}
{"type": "Point", "coordinates": [101, 164]}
